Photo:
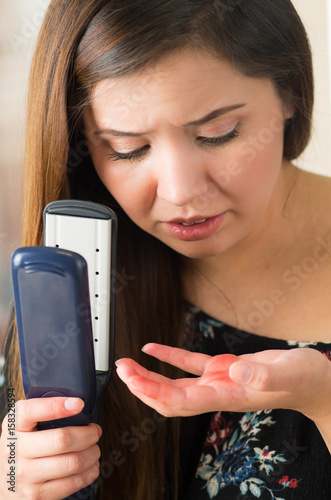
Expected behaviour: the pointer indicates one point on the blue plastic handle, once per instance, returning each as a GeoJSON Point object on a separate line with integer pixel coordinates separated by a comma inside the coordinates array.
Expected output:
{"type": "Point", "coordinates": [54, 327]}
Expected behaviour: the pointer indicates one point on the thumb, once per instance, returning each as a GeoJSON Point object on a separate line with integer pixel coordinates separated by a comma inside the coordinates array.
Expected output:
{"type": "Point", "coordinates": [294, 369]}
{"type": "Point", "coordinates": [258, 376]}
{"type": "Point", "coordinates": [31, 411]}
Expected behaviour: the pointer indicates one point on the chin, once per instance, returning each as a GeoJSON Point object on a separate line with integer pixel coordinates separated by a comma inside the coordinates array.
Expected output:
{"type": "Point", "coordinates": [198, 250]}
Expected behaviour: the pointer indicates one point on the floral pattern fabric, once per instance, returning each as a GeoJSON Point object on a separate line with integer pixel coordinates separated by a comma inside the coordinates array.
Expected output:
{"type": "Point", "coordinates": [270, 454]}
{"type": "Point", "coordinates": [234, 458]}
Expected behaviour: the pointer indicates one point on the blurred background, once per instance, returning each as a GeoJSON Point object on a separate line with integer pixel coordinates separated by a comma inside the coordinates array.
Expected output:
{"type": "Point", "coordinates": [20, 21]}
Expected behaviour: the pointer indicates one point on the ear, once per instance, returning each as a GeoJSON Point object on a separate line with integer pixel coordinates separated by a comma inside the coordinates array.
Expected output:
{"type": "Point", "coordinates": [288, 110]}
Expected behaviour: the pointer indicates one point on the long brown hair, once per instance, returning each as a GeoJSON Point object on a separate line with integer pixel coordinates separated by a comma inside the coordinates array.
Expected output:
{"type": "Point", "coordinates": [82, 42]}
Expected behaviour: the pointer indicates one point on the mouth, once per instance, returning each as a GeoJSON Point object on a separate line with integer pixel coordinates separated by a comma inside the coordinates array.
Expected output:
{"type": "Point", "coordinates": [190, 222]}
{"type": "Point", "coordinates": [195, 228]}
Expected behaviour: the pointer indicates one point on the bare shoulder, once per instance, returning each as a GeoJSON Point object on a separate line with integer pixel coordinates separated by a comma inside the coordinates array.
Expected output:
{"type": "Point", "coordinates": [319, 186]}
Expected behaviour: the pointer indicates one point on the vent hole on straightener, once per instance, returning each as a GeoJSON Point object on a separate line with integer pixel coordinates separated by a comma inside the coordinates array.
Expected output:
{"type": "Point", "coordinates": [97, 250]}
{"type": "Point", "coordinates": [95, 340]}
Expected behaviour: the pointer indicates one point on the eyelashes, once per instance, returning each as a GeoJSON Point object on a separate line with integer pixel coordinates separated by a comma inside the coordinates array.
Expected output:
{"type": "Point", "coordinates": [220, 141]}
{"type": "Point", "coordinates": [138, 154]}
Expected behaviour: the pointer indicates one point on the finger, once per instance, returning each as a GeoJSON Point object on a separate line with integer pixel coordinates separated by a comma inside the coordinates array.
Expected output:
{"type": "Point", "coordinates": [64, 487]}
{"type": "Point", "coordinates": [128, 367]}
{"type": "Point", "coordinates": [290, 369]}
{"type": "Point", "coordinates": [153, 389]}
{"type": "Point", "coordinates": [220, 364]}
{"type": "Point", "coordinates": [127, 370]}
{"type": "Point", "coordinates": [162, 397]}
{"type": "Point", "coordinates": [31, 411]}
{"type": "Point", "coordinates": [51, 442]}
{"type": "Point", "coordinates": [157, 404]}
{"type": "Point", "coordinates": [215, 368]}
{"type": "Point", "coordinates": [191, 362]}
{"type": "Point", "coordinates": [68, 464]}
{"type": "Point", "coordinates": [185, 397]}
{"type": "Point", "coordinates": [264, 357]}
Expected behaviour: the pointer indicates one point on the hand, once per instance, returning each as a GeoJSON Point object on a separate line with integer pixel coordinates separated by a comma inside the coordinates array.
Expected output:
{"type": "Point", "coordinates": [298, 379]}
{"type": "Point", "coordinates": [49, 464]}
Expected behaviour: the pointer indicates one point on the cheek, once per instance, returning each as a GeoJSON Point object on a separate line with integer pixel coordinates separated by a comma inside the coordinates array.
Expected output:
{"type": "Point", "coordinates": [250, 173]}
{"type": "Point", "coordinates": [132, 189]}
{"type": "Point", "coordinates": [255, 158]}
{"type": "Point", "coordinates": [262, 149]}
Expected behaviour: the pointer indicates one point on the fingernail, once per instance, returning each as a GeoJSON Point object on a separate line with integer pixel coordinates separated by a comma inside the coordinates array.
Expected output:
{"type": "Point", "coordinates": [120, 372]}
{"type": "Point", "coordinates": [241, 373]}
{"type": "Point", "coordinates": [118, 362]}
{"type": "Point", "coordinates": [145, 348]}
{"type": "Point", "coordinates": [74, 404]}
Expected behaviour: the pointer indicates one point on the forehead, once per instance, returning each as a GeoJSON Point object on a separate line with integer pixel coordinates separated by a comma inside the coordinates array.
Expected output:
{"type": "Point", "coordinates": [181, 86]}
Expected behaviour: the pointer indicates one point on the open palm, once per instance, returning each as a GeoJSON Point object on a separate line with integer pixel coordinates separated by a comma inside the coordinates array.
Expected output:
{"type": "Point", "coordinates": [298, 379]}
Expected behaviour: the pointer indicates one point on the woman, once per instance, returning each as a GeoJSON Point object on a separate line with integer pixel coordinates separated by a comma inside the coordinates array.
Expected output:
{"type": "Point", "coordinates": [184, 118]}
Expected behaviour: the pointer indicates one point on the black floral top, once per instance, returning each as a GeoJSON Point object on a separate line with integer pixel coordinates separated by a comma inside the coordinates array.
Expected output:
{"type": "Point", "coordinates": [270, 454]}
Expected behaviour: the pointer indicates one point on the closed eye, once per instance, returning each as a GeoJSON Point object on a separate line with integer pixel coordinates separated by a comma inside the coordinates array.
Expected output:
{"type": "Point", "coordinates": [137, 154]}
{"type": "Point", "coordinates": [220, 141]}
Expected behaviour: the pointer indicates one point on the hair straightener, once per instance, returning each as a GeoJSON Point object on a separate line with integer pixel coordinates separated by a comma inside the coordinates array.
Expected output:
{"type": "Point", "coordinates": [65, 308]}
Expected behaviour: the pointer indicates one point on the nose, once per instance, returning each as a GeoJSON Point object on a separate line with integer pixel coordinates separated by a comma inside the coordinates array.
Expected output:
{"type": "Point", "coordinates": [182, 177]}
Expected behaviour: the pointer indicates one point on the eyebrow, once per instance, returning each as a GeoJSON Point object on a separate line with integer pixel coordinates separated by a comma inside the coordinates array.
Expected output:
{"type": "Point", "coordinates": [214, 114]}
{"type": "Point", "coordinates": [205, 119]}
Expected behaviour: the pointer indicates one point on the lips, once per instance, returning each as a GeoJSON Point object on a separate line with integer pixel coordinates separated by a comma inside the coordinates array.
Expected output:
{"type": "Point", "coordinates": [190, 222]}
{"type": "Point", "coordinates": [193, 223]}
{"type": "Point", "coordinates": [195, 228]}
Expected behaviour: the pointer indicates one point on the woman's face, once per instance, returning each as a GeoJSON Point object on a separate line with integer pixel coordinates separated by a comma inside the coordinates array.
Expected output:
{"type": "Point", "coordinates": [192, 150]}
